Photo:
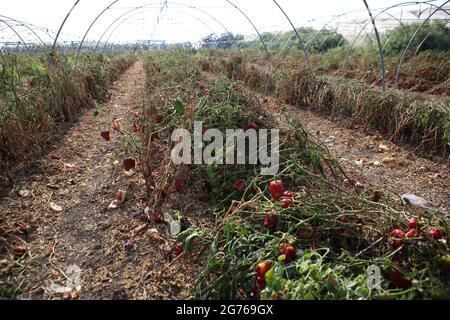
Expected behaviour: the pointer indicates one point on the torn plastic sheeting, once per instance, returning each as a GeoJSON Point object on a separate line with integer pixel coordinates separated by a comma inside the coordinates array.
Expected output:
{"type": "Point", "coordinates": [175, 226]}
{"type": "Point", "coordinates": [415, 201]}
{"type": "Point", "coordinates": [73, 282]}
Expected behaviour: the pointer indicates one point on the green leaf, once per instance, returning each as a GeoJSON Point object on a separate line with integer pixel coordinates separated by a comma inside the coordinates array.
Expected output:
{"type": "Point", "coordinates": [274, 278]}
{"type": "Point", "coordinates": [179, 107]}
{"type": "Point", "coordinates": [202, 103]}
{"type": "Point", "coordinates": [96, 111]}
{"type": "Point", "coordinates": [270, 275]}
{"type": "Point", "coordinates": [187, 244]}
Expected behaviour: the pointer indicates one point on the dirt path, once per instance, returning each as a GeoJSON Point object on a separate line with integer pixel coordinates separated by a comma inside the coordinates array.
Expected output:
{"type": "Point", "coordinates": [374, 160]}
{"type": "Point", "coordinates": [116, 253]}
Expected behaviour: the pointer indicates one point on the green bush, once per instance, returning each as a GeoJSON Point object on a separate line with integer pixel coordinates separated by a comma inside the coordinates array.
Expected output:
{"type": "Point", "coordinates": [436, 35]}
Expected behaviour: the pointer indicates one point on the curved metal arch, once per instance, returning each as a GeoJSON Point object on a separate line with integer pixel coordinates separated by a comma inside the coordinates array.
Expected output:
{"type": "Point", "coordinates": [293, 33]}
{"type": "Point", "coordinates": [123, 42]}
{"type": "Point", "coordinates": [44, 30]}
{"type": "Point", "coordinates": [397, 76]}
{"type": "Point", "coordinates": [17, 26]}
{"type": "Point", "coordinates": [317, 34]}
{"type": "Point", "coordinates": [123, 21]}
{"type": "Point", "coordinates": [286, 44]}
{"type": "Point", "coordinates": [212, 30]}
{"type": "Point", "coordinates": [115, 1]}
{"type": "Point", "coordinates": [117, 19]}
{"type": "Point", "coordinates": [273, 38]}
{"type": "Point", "coordinates": [301, 44]}
{"type": "Point", "coordinates": [147, 5]}
{"type": "Point", "coordinates": [176, 3]}
{"type": "Point", "coordinates": [214, 18]}
{"type": "Point", "coordinates": [15, 32]}
{"type": "Point", "coordinates": [439, 8]}
{"type": "Point", "coordinates": [377, 35]}
{"type": "Point", "coordinates": [408, 3]}
{"type": "Point", "coordinates": [89, 29]}
{"type": "Point", "coordinates": [421, 44]}
{"type": "Point", "coordinates": [62, 25]}
{"type": "Point", "coordinates": [343, 38]}
{"type": "Point", "coordinates": [310, 42]}
{"type": "Point", "coordinates": [368, 37]}
{"type": "Point", "coordinates": [399, 21]}
{"type": "Point", "coordinates": [194, 17]}
{"type": "Point", "coordinates": [47, 31]}
{"type": "Point", "coordinates": [116, 28]}
{"type": "Point", "coordinates": [254, 27]}
{"type": "Point", "coordinates": [26, 26]}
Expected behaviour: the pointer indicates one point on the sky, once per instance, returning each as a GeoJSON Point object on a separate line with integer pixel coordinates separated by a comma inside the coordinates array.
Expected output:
{"type": "Point", "coordinates": [181, 20]}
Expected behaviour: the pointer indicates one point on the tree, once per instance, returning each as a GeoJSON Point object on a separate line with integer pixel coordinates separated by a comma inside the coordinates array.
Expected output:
{"type": "Point", "coordinates": [434, 35]}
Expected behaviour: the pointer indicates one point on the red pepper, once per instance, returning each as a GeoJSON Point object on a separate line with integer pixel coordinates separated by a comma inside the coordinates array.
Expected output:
{"type": "Point", "coordinates": [288, 251]}
{"type": "Point", "coordinates": [239, 186]}
{"type": "Point", "coordinates": [413, 233]}
{"type": "Point", "coordinates": [203, 198]}
{"type": "Point", "coordinates": [435, 233]}
{"type": "Point", "coordinates": [270, 222]}
{"type": "Point", "coordinates": [167, 251]}
{"type": "Point", "coordinates": [259, 122]}
{"type": "Point", "coordinates": [158, 217]}
{"type": "Point", "coordinates": [290, 254]}
{"type": "Point", "coordinates": [261, 282]}
{"type": "Point", "coordinates": [412, 223]}
{"type": "Point", "coordinates": [155, 136]}
{"type": "Point", "coordinates": [178, 249]}
{"type": "Point", "coordinates": [252, 125]}
{"type": "Point", "coordinates": [276, 189]}
{"type": "Point", "coordinates": [398, 235]}
{"type": "Point", "coordinates": [158, 119]}
{"type": "Point", "coordinates": [262, 268]}
{"type": "Point", "coordinates": [288, 194]}
{"type": "Point", "coordinates": [18, 250]}
{"type": "Point", "coordinates": [106, 135]}
{"type": "Point", "coordinates": [287, 203]}
{"type": "Point", "coordinates": [129, 164]}
{"type": "Point", "coordinates": [397, 280]}
{"type": "Point", "coordinates": [178, 186]}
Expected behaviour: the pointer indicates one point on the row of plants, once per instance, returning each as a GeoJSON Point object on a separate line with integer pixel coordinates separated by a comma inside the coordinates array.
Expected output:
{"type": "Point", "coordinates": [405, 118]}
{"type": "Point", "coordinates": [39, 93]}
{"type": "Point", "coordinates": [309, 232]}
{"type": "Point", "coordinates": [426, 72]}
